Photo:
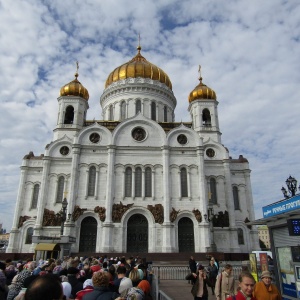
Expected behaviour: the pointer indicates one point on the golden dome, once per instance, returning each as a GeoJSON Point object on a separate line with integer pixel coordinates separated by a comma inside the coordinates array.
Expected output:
{"type": "Point", "coordinates": [201, 91]}
{"type": "Point", "coordinates": [75, 88]}
{"type": "Point", "coordinates": [138, 67]}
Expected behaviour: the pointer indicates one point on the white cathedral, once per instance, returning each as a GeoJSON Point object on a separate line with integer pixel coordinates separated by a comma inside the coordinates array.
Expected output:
{"type": "Point", "coordinates": [136, 181]}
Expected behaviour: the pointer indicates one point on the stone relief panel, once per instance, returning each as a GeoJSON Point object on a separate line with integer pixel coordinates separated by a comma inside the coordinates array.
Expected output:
{"type": "Point", "coordinates": [198, 215]}
{"type": "Point", "coordinates": [22, 219]}
{"type": "Point", "coordinates": [50, 218]}
{"type": "Point", "coordinates": [77, 212]}
{"type": "Point", "coordinates": [101, 212]}
{"type": "Point", "coordinates": [157, 211]}
{"type": "Point", "coordinates": [119, 210]}
{"type": "Point", "coordinates": [173, 214]}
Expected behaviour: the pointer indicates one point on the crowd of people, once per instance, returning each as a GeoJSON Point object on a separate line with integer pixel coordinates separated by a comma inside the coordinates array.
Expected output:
{"type": "Point", "coordinates": [84, 278]}
{"type": "Point", "coordinates": [223, 283]}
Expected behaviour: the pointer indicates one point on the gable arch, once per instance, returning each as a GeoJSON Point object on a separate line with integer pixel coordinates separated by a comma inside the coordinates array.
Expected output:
{"type": "Point", "coordinates": [193, 139]}
{"type": "Point", "coordinates": [105, 135]}
{"type": "Point", "coordinates": [155, 135]}
{"type": "Point", "coordinates": [137, 210]}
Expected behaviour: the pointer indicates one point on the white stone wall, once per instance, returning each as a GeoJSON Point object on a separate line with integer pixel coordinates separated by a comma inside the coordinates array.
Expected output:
{"type": "Point", "coordinates": [115, 151]}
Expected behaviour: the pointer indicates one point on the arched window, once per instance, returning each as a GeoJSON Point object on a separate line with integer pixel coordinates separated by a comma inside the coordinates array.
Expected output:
{"type": "Point", "coordinates": [240, 234]}
{"type": "Point", "coordinates": [92, 181]}
{"type": "Point", "coordinates": [236, 200]}
{"type": "Point", "coordinates": [165, 114]}
{"type": "Point", "coordinates": [29, 234]}
{"type": "Point", "coordinates": [123, 110]}
{"type": "Point", "coordinates": [213, 191]}
{"type": "Point", "coordinates": [35, 196]}
{"type": "Point", "coordinates": [138, 106]}
{"type": "Point", "coordinates": [206, 118]}
{"type": "Point", "coordinates": [128, 182]}
{"type": "Point", "coordinates": [69, 115]}
{"type": "Point", "coordinates": [60, 189]}
{"type": "Point", "coordinates": [153, 111]}
{"type": "Point", "coordinates": [148, 182]}
{"type": "Point", "coordinates": [111, 113]}
{"type": "Point", "coordinates": [183, 182]}
{"type": "Point", "coordinates": [138, 182]}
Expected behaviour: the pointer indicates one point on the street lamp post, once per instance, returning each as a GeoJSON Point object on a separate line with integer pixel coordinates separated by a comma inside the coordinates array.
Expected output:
{"type": "Point", "coordinates": [291, 184]}
{"type": "Point", "coordinates": [209, 218]}
{"type": "Point", "coordinates": [63, 215]}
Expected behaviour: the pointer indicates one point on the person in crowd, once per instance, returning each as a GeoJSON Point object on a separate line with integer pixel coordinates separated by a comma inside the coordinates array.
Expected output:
{"type": "Point", "coordinates": [95, 266]}
{"type": "Point", "coordinates": [26, 284]}
{"type": "Point", "coordinates": [135, 277]}
{"type": "Point", "coordinates": [101, 290]}
{"type": "Point", "coordinates": [112, 271]}
{"type": "Point", "coordinates": [87, 288]}
{"type": "Point", "coordinates": [193, 269]}
{"type": "Point", "coordinates": [225, 284]}
{"type": "Point", "coordinates": [121, 273]}
{"type": "Point", "coordinates": [73, 280]}
{"type": "Point", "coordinates": [87, 270]}
{"type": "Point", "coordinates": [133, 293]}
{"type": "Point", "coordinates": [3, 286]}
{"type": "Point", "coordinates": [265, 290]}
{"type": "Point", "coordinates": [125, 283]}
{"type": "Point", "coordinates": [15, 290]}
{"type": "Point", "coordinates": [46, 287]}
{"type": "Point", "coordinates": [216, 262]}
{"type": "Point", "coordinates": [58, 267]}
{"type": "Point", "coordinates": [144, 285]}
{"type": "Point", "coordinates": [199, 289]}
{"type": "Point", "coordinates": [67, 289]}
{"type": "Point", "coordinates": [10, 273]}
{"type": "Point", "coordinates": [212, 273]}
{"type": "Point", "coordinates": [246, 287]}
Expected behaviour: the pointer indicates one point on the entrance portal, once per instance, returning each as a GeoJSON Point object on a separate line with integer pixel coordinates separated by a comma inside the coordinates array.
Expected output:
{"type": "Point", "coordinates": [88, 235]}
{"type": "Point", "coordinates": [137, 234]}
{"type": "Point", "coordinates": [186, 235]}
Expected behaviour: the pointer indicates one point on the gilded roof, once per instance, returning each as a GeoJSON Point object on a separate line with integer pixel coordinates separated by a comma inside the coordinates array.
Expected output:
{"type": "Point", "coordinates": [202, 91]}
{"type": "Point", "coordinates": [75, 88]}
{"type": "Point", "coordinates": [138, 66]}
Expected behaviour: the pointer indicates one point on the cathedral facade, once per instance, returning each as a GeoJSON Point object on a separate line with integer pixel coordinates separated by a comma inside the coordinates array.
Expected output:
{"type": "Point", "coordinates": [136, 181]}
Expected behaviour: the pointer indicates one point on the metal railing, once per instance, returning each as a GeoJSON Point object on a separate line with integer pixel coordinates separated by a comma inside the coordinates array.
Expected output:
{"type": "Point", "coordinates": [170, 272]}
{"type": "Point", "coordinates": [176, 273]}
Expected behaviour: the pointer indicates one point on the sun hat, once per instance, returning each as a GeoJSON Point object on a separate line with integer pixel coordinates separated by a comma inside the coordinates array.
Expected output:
{"type": "Point", "coordinates": [265, 274]}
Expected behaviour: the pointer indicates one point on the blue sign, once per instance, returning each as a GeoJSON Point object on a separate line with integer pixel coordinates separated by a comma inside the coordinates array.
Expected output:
{"type": "Point", "coordinates": [281, 207]}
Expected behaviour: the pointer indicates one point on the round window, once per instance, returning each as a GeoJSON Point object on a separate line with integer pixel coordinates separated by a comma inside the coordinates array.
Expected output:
{"type": "Point", "coordinates": [210, 152]}
{"type": "Point", "coordinates": [64, 150]}
{"type": "Point", "coordinates": [139, 134]}
{"type": "Point", "coordinates": [182, 139]}
{"type": "Point", "coordinates": [94, 137]}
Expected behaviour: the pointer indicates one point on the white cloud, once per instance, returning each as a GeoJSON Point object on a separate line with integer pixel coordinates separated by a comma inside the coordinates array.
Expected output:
{"type": "Point", "coordinates": [249, 52]}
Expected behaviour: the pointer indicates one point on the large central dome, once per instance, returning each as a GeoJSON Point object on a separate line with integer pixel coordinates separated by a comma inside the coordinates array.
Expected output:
{"type": "Point", "coordinates": [138, 67]}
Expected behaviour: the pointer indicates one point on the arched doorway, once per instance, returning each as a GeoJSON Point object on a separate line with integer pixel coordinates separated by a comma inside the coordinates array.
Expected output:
{"type": "Point", "coordinates": [88, 235]}
{"type": "Point", "coordinates": [186, 241]}
{"type": "Point", "coordinates": [137, 234]}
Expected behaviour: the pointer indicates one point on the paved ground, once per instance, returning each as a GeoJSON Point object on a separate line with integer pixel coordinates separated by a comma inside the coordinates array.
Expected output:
{"type": "Point", "coordinates": [180, 289]}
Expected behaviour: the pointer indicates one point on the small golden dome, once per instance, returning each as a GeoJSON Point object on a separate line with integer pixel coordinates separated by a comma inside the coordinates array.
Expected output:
{"type": "Point", "coordinates": [75, 88]}
{"type": "Point", "coordinates": [138, 67]}
{"type": "Point", "coordinates": [201, 91]}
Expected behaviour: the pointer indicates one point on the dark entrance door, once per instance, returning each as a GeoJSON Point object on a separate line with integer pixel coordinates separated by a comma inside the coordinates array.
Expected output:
{"type": "Point", "coordinates": [137, 234]}
{"type": "Point", "coordinates": [186, 235]}
{"type": "Point", "coordinates": [88, 235]}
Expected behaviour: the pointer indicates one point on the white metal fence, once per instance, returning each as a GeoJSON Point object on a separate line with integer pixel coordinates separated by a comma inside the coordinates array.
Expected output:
{"type": "Point", "coordinates": [175, 273]}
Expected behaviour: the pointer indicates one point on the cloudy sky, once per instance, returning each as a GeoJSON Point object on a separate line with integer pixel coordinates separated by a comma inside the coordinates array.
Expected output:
{"type": "Point", "coordinates": [249, 52]}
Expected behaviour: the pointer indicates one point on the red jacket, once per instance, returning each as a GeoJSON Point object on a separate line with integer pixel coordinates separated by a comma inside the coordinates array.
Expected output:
{"type": "Point", "coordinates": [80, 294]}
{"type": "Point", "coordinates": [239, 296]}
